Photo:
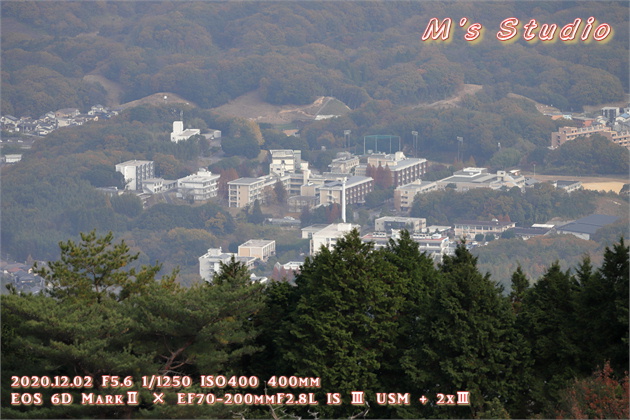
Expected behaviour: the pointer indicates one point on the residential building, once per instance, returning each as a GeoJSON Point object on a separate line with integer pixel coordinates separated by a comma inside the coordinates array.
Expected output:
{"type": "Point", "coordinates": [257, 248]}
{"type": "Point", "coordinates": [283, 161]}
{"type": "Point", "coordinates": [179, 134]}
{"type": "Point", "coordinates": [136, 171]}
{"type": "Point", "coordinates": [404, 170]}
{"type": "Point", "coordinates": [468, 229]}
{"type": "Point", "coordinates": [210, 262]}
{"type": "Point", "coordinates": [565, 134]}
{"type": "Point", "coordinates": [586, 227]}
{"type": "Point", "coordinates": [198, 187]}
{"type": "Point", "coordinates": [405, 194]}
{"type": "Point", "coordinates": [327, 236]}
{"type": "Point", "coordinates": [355, 190]}
{"type": "Point", "coordinates": [387, 223]}
{"type": "Point", "coordinates": [244, 191]}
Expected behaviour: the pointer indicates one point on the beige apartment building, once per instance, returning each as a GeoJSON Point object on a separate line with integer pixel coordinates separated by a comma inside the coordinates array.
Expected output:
{"type": "Point", "coordinates": [404, 195]}
{"type": "Point", "coordinates": [244, 191]}
{"type": "Point", "coordinates": [566, 134]}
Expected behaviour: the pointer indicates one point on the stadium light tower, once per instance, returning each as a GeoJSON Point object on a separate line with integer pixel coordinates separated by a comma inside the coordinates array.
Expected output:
{"type": "Point", "coordinates": [415, 143]}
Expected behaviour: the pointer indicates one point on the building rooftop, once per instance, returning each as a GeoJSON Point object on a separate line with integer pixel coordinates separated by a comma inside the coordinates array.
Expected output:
{"type": "Point", "coordinates": [589, 224]}
{"type": "Point", "coordinates": [135, 162]}
{"type": "Point", "coordinates": [245, 181]}
{"type": "Point", "coordinates": [258, 242]}
{"type": "Point", "coordinates": [483, 223]}
{"type": "Point", "coordinates": [350, 182]}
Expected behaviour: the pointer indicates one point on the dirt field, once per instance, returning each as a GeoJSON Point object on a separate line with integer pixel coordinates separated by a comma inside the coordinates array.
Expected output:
{"type": "Point", "coordinates": [583, 179]}
{"type": "Point", "coordinates": [251, 106]}
{"type": "Point", "coordinates": [467, 89]}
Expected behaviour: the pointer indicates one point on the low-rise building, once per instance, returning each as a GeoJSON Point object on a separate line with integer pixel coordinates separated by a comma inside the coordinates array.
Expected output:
{"type": "Point", "coordinates": [468, 229]}
{"type": "Point", "coordinates": [405, 194]}
{"type": "Point", "coordinates": [568, 186]}
{"type": "Point", "coordinates": [586, 227]}
{"type": "Point", "coordinates": [258, 248]}
{"type": "Point", "coordinates": [469, 178]}
{"type": "Point", "coordinates": [387, 223]}
{"type": "Point", "coordinates": [13, 158]}
{"type": "Point", "coordinates": [136, 171]}
{"type": "Point", "coordinates": [179, 134]}
{"type": "Point", "coordinates": [210, 262]}
{"type": "Point", "coordinates": [200, 186]}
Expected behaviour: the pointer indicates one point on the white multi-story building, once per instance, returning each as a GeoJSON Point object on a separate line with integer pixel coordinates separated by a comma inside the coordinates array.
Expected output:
{"type": "Point", "coordinates": [326, 235]}
{"type": "Point", "coordinates": [136, 171]}
{"type": "Point", "coordinates": [436, 246]}
{"type": "Point", "coordinates": [199, 187]}
{"type": "Point", "coordinates": [285, 161]}
{"type": "Point", "coordinates": [179, 134]}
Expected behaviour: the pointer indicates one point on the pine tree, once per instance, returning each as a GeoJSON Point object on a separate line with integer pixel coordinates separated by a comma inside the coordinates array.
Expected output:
{"type": "Point", "coordinates": [603, 309]}
{"type": "Point", "coordinates": [256, 217]}
{"type": "Point", "coordinates": [549, 322]}
{"type": "Point", "coordinates": [520, 284]}
{"type": "Point", "coordinates": [344, 320]}
{"type": "Point", "coordinates": [468, 341]}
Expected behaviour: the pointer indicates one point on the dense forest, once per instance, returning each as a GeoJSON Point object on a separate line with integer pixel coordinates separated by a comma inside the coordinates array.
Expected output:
{"type": "Point", "coordinates": [210, 52]}
{"type": "Point", "coordinates": [377, 321]}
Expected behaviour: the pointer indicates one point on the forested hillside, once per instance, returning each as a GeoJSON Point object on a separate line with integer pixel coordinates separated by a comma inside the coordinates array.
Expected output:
{"type": "Point", "coordinates": [210, 52]}
{"type": "Point", "coordinates": [384, 321]}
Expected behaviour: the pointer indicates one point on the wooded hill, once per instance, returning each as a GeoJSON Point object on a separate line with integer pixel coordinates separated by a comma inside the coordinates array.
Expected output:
{"type": "Point", "coordinates": [210, 52]}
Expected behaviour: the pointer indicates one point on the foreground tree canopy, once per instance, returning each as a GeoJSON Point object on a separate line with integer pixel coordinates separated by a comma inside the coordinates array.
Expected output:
{"type": "Point", "coordinates": [359, 319]}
